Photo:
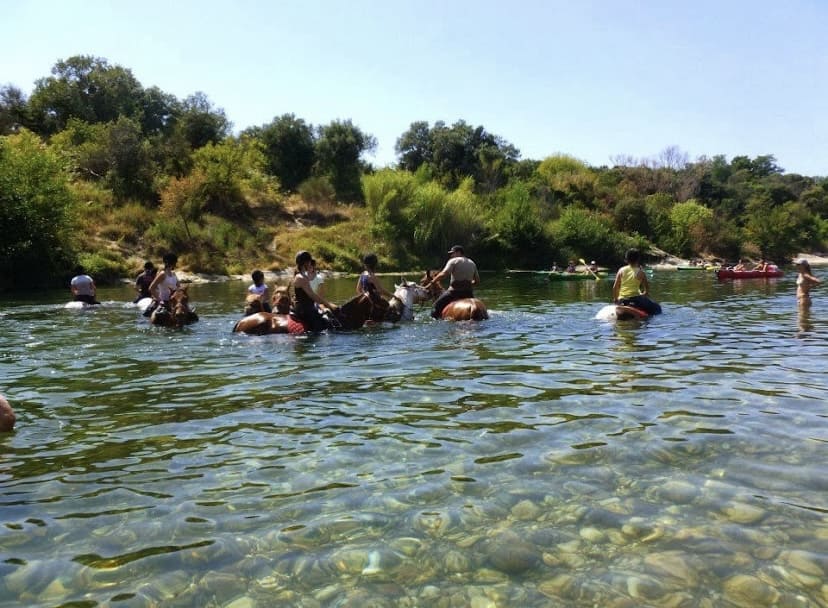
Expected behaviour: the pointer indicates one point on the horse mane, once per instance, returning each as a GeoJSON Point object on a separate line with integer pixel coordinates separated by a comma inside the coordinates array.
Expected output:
{"type": "Point", "coordinates": [434, 289]}
{"type": "Point", "coordinates": [355, 312]}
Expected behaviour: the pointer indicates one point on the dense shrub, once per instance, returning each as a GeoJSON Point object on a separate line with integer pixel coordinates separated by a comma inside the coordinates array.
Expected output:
{"type": "Point", "coordinates": [36, 213]}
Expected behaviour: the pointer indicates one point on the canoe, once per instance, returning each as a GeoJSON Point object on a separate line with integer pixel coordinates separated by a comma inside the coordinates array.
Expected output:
{"type": "Point", "coordinates": [618, 312]}
{"type": "Point", "coordinates": [574, 276]}
{"type": "Point", "coordinates": [705, 267]}
{"type": "Point", "coordinates": [748, 274]}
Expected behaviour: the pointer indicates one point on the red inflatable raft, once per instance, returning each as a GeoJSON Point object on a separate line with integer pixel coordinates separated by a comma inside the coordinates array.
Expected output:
{"type": "Point", "coordinates": [748, 274]}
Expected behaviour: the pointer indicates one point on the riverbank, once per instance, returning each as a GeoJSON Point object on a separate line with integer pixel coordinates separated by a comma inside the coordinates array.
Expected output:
{"type": "Point", "coordinates": [671, 263]}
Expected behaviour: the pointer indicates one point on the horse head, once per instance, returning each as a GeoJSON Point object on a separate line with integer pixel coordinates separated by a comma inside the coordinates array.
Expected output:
{"type": "Point", "coordinates": [433, 289]}
{"type": "Point", "coordinates": [281, 301]}
{"type": "Point", "coordinates": [406, 295]}
{"type": "Point", "coordinates": [253, 304]}
{"type": "Point", "coordinates": [180, 305]}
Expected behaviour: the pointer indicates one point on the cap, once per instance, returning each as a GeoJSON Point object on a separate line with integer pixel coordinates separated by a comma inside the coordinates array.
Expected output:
{"type": "Point", "coordinates": [456, 249]}
{"type": "Point", "coordinates": [801, 261]}
{"type": "Point", "coordinates": [592, 262]}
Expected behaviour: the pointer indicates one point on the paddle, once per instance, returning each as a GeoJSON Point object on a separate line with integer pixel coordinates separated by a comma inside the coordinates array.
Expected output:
{"type": "Point", "coordinates": [597, 278]}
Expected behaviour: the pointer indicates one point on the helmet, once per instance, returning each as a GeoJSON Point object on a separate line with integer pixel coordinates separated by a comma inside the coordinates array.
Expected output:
{"type": "Point", "coordinates": [303, 257]}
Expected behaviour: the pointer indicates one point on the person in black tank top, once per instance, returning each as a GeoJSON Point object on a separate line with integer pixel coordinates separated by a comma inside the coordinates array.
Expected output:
{"type": "Point", "coordinates": [303, 298]}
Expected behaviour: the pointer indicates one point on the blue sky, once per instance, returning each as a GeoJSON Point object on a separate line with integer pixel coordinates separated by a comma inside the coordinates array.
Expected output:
{"type": "Point", "coordinates": [592, 79]}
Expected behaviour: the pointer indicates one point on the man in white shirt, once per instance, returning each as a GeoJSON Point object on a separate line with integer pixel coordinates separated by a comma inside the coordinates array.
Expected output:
{"type": "Point", "coordinates": [464, 276]}
{"type": "Point", "coordinates": [83, 287]}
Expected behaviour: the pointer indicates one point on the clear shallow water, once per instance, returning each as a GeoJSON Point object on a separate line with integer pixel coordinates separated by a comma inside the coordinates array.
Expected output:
{"type": "Point", "coordinates": [538, 458]}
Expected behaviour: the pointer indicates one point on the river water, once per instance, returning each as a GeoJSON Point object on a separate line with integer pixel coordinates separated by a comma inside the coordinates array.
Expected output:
{"type": "Point", "coordinates": [540, 458]}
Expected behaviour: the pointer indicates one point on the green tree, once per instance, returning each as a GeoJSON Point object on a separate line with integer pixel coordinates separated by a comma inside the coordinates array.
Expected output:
{"type": "Point", "coordinates": [158, 111]}
{"type": "Point", "coordinates": [519, 225]}
{"type": "Point", "coordinates": [226, 168]}
{"type": "Point", "coordinates": [688, 219]}
{"type": "Point", "coordinates": [200, 123]}
{"type": "Point", "coordinates": [131, 168]}
{"type": "Point", "coordinates": [338, 151]}
{"type": "Point", "coordinates": [388, 194]}
{"type": "Point", "coordinates": [779, 231]}
{"type": "Point", "coordinates": [568, 180]}
{"type": "Point", "coordinates": [36, 204]}
{"type": "Point", "coordinates": [289, 149]}
{"type": "Point", "coordinates": [457, 152]}
{"type": "Point", "coordinates": [87, 88]}
{"type": "Point", "coordinates": [583, 233]}
{"type": "Point", "coordinates": [414, 147]}
{"type": "Point", "coordinates": [87, 145]}
{"type": "Point", "coordinates": [14, 110]}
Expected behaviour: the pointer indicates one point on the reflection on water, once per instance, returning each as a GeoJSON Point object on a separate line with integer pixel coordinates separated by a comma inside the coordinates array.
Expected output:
{"type": "Point", "coordinates": [539, 458]}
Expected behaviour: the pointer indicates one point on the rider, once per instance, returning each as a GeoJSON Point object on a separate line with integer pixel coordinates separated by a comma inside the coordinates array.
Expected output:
{"type": "Point", "coordinates": [303, 297]}
{"type": "Point", "coordinates": [164, 284]}
{"type": "Point", "coordinates": [259, 288]}
{"type": "Point", "coordinates": [631, 287]}
{"type": "Point", "coordinates": [83, 287]}
{"type": "Point", "coordinates": [367, 282]}
{"type": "Point", "coordinates": [143, 282]}
{"type": "Point", "coordinates": [464, 276]}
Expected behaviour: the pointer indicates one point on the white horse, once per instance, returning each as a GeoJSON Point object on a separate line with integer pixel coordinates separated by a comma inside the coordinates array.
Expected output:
{"type": "Point", "coordinates": [406, 295]}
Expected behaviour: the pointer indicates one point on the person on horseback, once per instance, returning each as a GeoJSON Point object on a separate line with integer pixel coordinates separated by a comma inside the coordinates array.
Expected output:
{"type": "Point", "coordinates": [464, 276]}
{"type": "Point", "coordinates": [83, 287]}
{"type": "Point", "coordinates": [631, 287]}
{"type": "Point", "coordinates": [143, 282]}
{"type": "Point", "coordinates": [163, 285]}
{"type": "Point", "coordinates": [259, 288]}
{"type": "Point", "coordinates": [367, 282]}
{"type": "Point", "coordinates": [303, 297]}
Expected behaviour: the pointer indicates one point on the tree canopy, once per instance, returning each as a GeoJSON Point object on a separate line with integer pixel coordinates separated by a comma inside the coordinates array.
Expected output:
{"type": "Point", "coordinates": [153, 172]}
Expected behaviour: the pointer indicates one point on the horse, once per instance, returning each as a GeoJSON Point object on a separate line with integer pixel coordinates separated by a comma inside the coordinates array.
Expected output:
{"type": "Point", "coordinates": [464, 309]}
{"type": "Point", "coordinates": [176, 313]}
{"type": "Point", "coordinates": [406, 295]}
{"type": "Point", "coordinates": [253, 304]}
{"type": "Point", "coordinates": [348, 317]}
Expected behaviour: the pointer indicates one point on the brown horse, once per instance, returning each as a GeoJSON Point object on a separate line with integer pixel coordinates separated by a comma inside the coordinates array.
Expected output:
{"type": "Point", "coordinates": [176, 313]}
{"type": "Point", "coordinates": [253, 304]}
{"type": "Point", "coordinates": [464, 309]}
{"type": "Point", "coordinates": [350, 316]}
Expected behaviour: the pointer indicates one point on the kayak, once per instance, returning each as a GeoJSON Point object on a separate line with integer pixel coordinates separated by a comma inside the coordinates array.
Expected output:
{"type": "Point", "coordinates": [748, 274]}
{"type": "Point", "coordinates": [575, 276]}
{"type": "Point", "coordinates": [697, 267]}
{"type": "Point", "coordinates": [619, 312]}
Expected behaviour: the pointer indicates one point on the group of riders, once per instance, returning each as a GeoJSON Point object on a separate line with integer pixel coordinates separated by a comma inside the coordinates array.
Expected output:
{"type": "Point", "coordinates": [308, 306]}
{"type": "Point", "coordinates": [302, 299]}
{"type": "Point", "coordinates": [304, 302]}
